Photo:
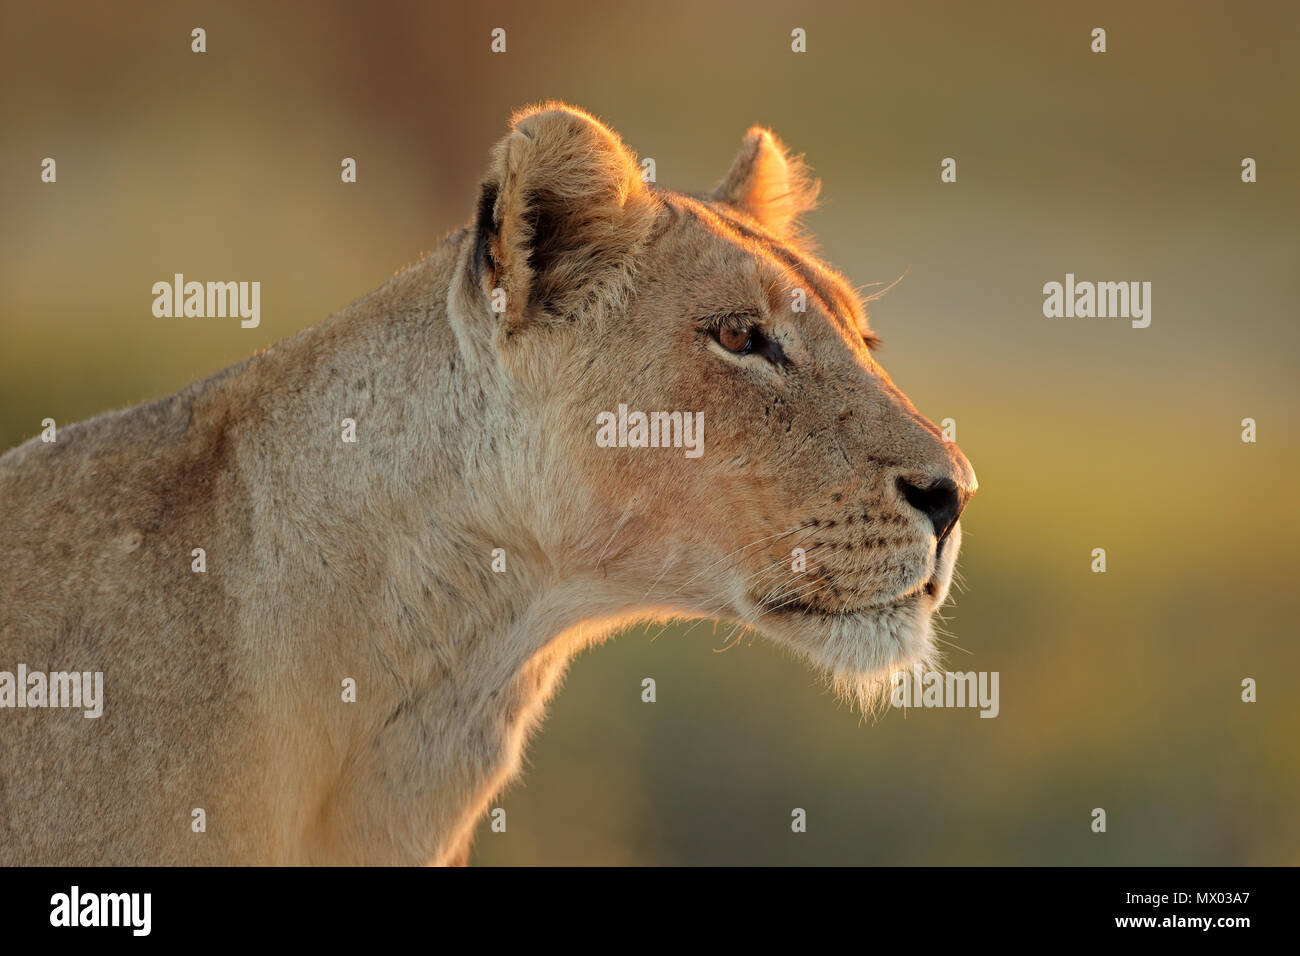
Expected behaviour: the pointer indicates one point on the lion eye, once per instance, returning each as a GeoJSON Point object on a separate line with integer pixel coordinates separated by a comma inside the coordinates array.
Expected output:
{"type": "Point", "coordinates": [739, 341]}
{"type": "Point", "coordinates": [740, 335]}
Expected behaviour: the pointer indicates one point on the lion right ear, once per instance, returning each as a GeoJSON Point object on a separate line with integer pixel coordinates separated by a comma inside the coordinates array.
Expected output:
{"type": "Point", "coordinates": [767, 183]}
{"type": "Point", "coordinates": [560, 215]}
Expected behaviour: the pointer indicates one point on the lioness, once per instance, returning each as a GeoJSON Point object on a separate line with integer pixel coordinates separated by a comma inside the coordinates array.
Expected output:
{"type": "Point", "coordinates": [444, 566]}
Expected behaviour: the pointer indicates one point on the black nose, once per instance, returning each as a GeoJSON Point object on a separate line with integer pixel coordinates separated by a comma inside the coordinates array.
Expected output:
{"type": "Point", "coordinates": [941, 502]}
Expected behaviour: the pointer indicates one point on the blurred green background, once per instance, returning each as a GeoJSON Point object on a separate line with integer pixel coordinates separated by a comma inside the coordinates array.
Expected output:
{"type": "Point", "coordinates": [1119, 690]}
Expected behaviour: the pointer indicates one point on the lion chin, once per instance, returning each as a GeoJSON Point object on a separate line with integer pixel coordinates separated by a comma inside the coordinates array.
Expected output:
{"type": "Point", "coordinates": [858, 651]}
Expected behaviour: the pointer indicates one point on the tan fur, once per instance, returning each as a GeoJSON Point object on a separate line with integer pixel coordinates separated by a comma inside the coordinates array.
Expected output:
{"type": "Point", "coordinates": [372, 561]}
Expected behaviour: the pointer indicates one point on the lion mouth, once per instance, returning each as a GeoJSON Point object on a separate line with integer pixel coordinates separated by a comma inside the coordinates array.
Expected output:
{"type": "Point", "coordinates": [796, 607]}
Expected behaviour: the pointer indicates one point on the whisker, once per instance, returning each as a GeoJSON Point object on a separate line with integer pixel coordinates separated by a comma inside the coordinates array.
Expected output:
{"type": "Point", "coordinates": [725, 557]}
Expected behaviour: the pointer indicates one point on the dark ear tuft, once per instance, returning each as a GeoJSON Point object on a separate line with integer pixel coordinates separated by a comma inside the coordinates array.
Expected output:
{"type": "Point", "coordinates": [546, 225]}
{"type": "Point", "coordinates": [485, 229]}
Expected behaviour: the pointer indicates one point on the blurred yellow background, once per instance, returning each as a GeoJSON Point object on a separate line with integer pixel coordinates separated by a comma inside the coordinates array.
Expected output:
{"type": "Point", "coordinates": [1118, 690]}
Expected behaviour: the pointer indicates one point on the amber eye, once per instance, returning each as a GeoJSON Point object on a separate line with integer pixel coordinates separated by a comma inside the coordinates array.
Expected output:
{"type": "Point", "coordinates": [739, 341]}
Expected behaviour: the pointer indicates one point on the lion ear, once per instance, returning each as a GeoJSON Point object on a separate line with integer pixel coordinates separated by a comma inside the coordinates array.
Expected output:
{"type": "Point", "coordinates": [560, 214]}
{"type": "Point", "coordinates": [768, 183]}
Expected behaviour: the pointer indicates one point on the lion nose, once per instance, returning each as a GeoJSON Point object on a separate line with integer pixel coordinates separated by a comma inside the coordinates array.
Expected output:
{"type": "Point", "coordinates": [941, 501]}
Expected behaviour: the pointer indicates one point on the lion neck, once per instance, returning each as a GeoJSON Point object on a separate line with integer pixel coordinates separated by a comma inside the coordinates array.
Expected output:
{"type": "Point", "coordinates": [437, 593]}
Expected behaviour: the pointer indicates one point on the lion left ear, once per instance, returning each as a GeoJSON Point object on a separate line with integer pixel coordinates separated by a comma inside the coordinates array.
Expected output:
{"type": "Point", "coordinates": [560, 214]}
{"type": "Point", "coordinates": [768, 183]}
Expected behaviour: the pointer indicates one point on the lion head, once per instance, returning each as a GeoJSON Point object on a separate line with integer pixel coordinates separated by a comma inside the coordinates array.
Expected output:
{"type": "Point", "coordinates": [706, 430]}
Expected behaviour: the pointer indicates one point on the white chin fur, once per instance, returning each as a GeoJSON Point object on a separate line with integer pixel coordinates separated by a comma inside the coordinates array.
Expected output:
{"type": "Point", "coordinates": [859, 652]}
